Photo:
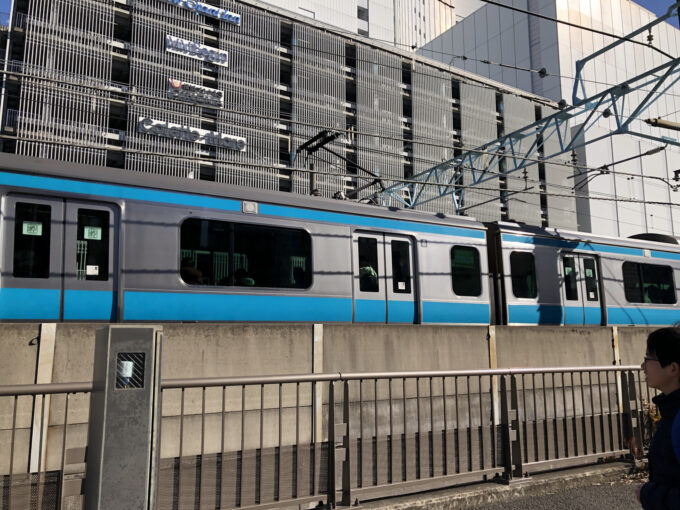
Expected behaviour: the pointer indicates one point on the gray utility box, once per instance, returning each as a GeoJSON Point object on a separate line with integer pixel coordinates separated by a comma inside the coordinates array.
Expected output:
{"type": "Point", "coordinates": [122, 452]}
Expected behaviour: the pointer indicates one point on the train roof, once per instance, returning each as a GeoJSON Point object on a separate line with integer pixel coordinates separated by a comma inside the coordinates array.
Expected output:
{"type": "Point", "coordinates": [98, 174]}
{"type": "Point", "coordinates": [586, 237]}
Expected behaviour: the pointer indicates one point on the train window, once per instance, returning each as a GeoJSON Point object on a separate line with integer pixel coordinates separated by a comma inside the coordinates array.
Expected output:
{"type": "Point", "coordinates": [221, 253]}
{"type": "Point", "coordinates": [570, 283]}
{"type": "Point", "coordinates": [401, 267]}
{"type": "Point", "coordinates": [204, 252]}
{"type": "Point", "coordinates": [368, 265]}
{"type": "Point", "coordinates": [590, 279]}
{"type": "Point", "coordinates": [648, 283]}
{"type": "Point", "coordinates": [466, 275]}
{"type": "Point", "coordinates": [32, 240]}
{"type": "Point", "coordinates": [92, 245]}
{"type": "Point", "coordinates": [523, 271]}
{"type": "Point", "coordinates": [272, 257]}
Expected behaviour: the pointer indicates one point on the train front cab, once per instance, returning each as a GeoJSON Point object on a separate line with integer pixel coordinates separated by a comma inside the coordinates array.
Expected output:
{"type": "Point", "coordinates": [58, 259]}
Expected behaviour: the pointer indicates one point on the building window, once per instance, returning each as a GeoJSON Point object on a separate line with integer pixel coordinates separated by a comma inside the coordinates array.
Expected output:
{"type": "Point", "coordinates": [523, 274]}
{"type": "Point", "coordinates": [363, 32]}
{"type": "Point", "coordinates": [466, 275]}
{"type": "Point", "coordinates": [219, 253]}
{"type": "Point", "coordinates": [32, 240]}
{"type": "Point", "coordinates": [362, 13]}
{"type": "Point", "coordinates": [648, 283]}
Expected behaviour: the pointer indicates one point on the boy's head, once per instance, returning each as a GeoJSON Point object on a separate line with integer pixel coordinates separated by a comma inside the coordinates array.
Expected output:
{"type": "Point", "coordinates": [664, 343]}
{"type": "Point", "coordinates": [662, 360]}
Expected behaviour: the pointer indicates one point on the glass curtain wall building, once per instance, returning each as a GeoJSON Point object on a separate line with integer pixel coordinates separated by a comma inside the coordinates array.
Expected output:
{"type": "Point", "coordinates": [618, 202]}
{"type": "Point", "coordinates": [229, 91]}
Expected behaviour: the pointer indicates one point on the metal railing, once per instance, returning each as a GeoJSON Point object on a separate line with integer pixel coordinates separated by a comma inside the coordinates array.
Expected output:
{"type": "Point", "coordinates": [43, 436]}
{"type": "Point", "coordinates": [334, 439]}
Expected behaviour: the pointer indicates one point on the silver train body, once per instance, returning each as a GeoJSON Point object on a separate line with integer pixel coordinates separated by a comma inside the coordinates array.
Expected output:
{"type": "Point", "coordinates": [98, 244]}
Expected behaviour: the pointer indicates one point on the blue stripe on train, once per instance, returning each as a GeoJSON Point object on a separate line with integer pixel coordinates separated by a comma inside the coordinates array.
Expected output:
{"type": "Point", "coordinates": [89, 305]}
{"type": "Point", "coordinates": [369, 310]}
{"type": "Point", "coordinates": [33, 304]}
{"type": "Point", "coordinates": [572, 245]}
{"type": "Point", "coordinates": [178, 306]}
{"type": "Point", "coordinates": [459, 313]}
{"type": "Point", "coordinates": [168, 197]}
{"type": "Point", "coordinates": [534, 314]}
{"type": "Point", "coordinates": [642, 316]}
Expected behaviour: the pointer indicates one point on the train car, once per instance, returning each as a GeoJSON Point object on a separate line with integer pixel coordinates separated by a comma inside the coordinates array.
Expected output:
{"type": "Point", "coordinates": [550, 276]}
{"type": "Point", "coordinates": [81, 243]}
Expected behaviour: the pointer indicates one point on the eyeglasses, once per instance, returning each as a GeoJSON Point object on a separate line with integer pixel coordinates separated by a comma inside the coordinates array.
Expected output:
{"type": "Point", "coordinates": [648, 358]}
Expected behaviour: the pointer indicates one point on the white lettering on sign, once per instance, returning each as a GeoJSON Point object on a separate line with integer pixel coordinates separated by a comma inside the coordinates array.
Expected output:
{"type": "Point", "coordinates": [208, 10]}
{"type": "Point", "coordinates": [196, 94]}
{"type": "Point", "coordinates": [195, 50]}
{"type": "Point", "coordinates": [190, 134]}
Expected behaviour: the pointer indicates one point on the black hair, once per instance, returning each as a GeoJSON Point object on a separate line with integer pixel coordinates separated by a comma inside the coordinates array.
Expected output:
{"type": "Point", "coordinates": [665, 344]}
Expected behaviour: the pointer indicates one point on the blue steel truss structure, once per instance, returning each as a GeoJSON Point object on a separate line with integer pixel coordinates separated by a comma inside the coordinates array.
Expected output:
{"type": "Point", "coordinates": [525, 146]}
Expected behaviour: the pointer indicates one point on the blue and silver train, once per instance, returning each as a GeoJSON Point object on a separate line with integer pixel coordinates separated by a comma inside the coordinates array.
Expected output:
{"type": "Point", "coordinates": [99, 244]}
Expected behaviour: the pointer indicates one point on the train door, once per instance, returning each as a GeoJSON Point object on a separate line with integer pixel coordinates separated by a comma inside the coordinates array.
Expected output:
{"type": "Point", "coordinates": [581, 296]}
{"type": "Point", "coordinates": [383, 278]}
{"type": "Point", "coordinates": [57, 260]}
{"type": "Point", "coordinates": [89, 281]}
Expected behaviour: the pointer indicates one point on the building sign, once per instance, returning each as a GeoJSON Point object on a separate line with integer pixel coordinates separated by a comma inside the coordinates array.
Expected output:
{"type": "Point", "coordinates": [208, 10]}
{"type": "Point", "coordinates": [190, 134]}
{"type": "Point", "coordinates": [198, 51]}
{"type": "Point", "coordinates": [195, 93]}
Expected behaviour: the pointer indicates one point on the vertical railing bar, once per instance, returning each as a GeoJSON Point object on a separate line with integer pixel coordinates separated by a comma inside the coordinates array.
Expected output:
{"type": "Point", "coordinates": [258, 486]}
{"type": "Point", "coordinates": [391, 441]}
{"type": "Point", "coordinates": [404, 475]}
{"type": "Point", "coordinates": [200, 471]}
{"type": "Point", "coordinates": [40, 451]}
{"type": "Point", "coordinates": [610, 418]}
{"type": "Point", "coordinates": [525, 421]}
{"type": "Point", "coordinates": [431, 441]}
{"type": "Point", "coordinates": [556, 441]}
{"type": "Point", "coordinates": [419, 474]}
{"type": "Point", "coordinates": [482, 465]}
{"type": "Point", "coordinates": [469, 427]}
{"type": "Point", "coordinates": [603, 439]}
{"type": "Point", "coordinates": [181, 446]}
{"type": "Point", "coordinates": [533, 391]}
{"type": "Point", "coordinates": [296, 489]}
{"type": "Point", "coordinates": [493, 421]}
{"type": "Point", "coordinates": [220, 500]}
{"type": "Point", "coordinates": [360, 464]}
{"type": "Point", "coordinates": [546, 443]}
{"type": "Point", "coordinates": [573, 404]}
{"type": "Point", "coordinates": [375, 420]}
{"type": "Point", "coordinates": [312, 433]}
{"type": "Point", "coordinates": [564, 415]}
{"type": "Point", "coordinates": [592, 410]}
{"type": "Point", "coordinates": [446, 428]}
{"type": "Point", "coordinates": [456, 440]}
{"type": "Point", "coordinates": [63, 450]}
{"type": "Point", "coordinates": [243, 443]}
{"type": "Point", "coordinates": [11, 449]}
{"type": "Point", "coordinates": [583, 411]}
{"type": "Point", "coordinates": [277, 495]}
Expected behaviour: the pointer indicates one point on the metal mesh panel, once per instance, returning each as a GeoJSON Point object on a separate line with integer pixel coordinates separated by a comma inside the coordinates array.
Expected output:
{"type": "Point", "coordinates": [65, 37]}
{"type": "Point", "coordinates": [379, 113]}
{"type": "Point", "coordinates": [250, 85]}
{"type": "Point", "coordinates": [478, 126]}
{"type": "Point", "coordinates": [150, 66]}
{"type": "Point", "coordinates": [318, 97]}
{"type": "Point", "coordinates": [523, 207]}
{"type": "Point", "coordinates": [432, 127]}
{"type": "Point", "coordinates": [561, 210]}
